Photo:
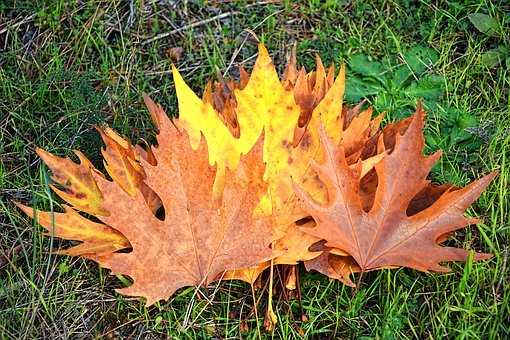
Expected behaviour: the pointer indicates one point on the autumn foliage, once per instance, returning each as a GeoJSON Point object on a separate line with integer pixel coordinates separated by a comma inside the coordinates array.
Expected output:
{"type": "Point", "coordinates": [258, 173]}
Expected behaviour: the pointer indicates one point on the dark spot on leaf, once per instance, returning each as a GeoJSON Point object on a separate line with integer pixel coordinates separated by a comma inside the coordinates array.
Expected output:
{"type": "Point", "coordinates": [305, 141]}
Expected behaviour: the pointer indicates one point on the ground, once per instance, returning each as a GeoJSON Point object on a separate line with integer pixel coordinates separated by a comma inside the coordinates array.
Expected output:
{"type": "Point", "coordinates": [66, 66]}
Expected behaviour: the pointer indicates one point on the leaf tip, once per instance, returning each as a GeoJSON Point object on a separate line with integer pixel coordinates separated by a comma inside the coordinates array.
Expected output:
{"type": "Point", "coordinates": [26, 209]}
{"type": "Point", "coordinates": [46, 156]}
{"type": "Point", "coordinates": [482, 256]}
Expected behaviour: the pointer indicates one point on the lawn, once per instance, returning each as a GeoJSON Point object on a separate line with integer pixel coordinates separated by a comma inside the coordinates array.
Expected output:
{"type": "Point", "coordinates": [66, 66]}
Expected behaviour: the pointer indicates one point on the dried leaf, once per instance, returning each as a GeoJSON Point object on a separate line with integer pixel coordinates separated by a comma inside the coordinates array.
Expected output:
{"type": "Point", "coordinates": [334, 266]}
{"type": "Point", "coordinates": [386, 236]}
{"type": "Point", "coordinates": [175, 53]}
{"type": "Point", "coordinates": [199, 238]}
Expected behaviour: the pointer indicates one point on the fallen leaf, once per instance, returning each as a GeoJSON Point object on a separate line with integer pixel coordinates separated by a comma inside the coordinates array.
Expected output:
{"type": "Point", "coordinates": [334, 266]}
{"type": "Point", "coordinates": [175, 53]}
{"type": "Point", "coordinates": [199, 238]}
{"type": "Point", "coordinates": [385, 236]}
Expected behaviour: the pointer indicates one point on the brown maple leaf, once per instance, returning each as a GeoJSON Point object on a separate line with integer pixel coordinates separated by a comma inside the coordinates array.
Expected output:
{"type": "Point", "coordinates": [199, 238]}
{"type": "Point", "coordinates": [385, 236]}
{"type": "Point", "coordinates": [339, 267]}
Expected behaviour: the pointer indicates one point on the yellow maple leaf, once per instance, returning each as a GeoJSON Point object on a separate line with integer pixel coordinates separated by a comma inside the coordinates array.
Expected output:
{"type": "Point", "coordinates": [231, 117]}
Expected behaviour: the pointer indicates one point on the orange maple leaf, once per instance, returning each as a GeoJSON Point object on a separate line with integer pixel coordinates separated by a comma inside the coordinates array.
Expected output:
{"type": "Point", "coordinates": [384, 235]}
{"type": "Point", "coordinates": [199, 238]}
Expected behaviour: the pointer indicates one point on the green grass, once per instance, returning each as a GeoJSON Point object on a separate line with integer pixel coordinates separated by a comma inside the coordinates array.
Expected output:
{"type": "Point", "coordinates": [65, 66]}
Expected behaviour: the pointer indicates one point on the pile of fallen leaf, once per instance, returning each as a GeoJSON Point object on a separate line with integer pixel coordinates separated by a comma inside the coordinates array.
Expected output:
{"type": "Point", "coordinates": [259, 173]}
